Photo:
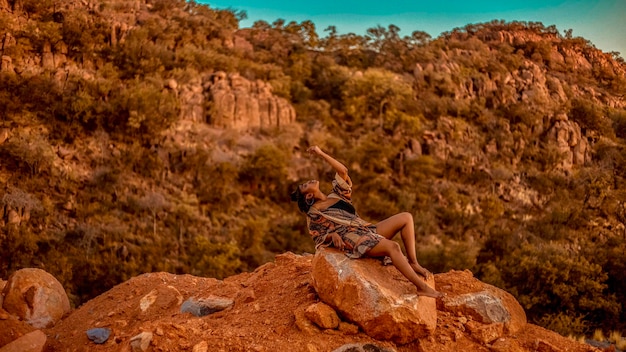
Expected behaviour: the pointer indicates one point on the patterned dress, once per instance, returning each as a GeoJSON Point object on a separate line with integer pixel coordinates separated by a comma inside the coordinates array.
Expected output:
{"type": "Point", "coordinates": [358, 235]}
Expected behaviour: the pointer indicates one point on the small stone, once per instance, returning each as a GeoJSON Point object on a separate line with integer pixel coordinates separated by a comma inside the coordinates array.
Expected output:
{"type": "Point", "coordinates": [322, 315]}
{"type": "Point", "coordinates": [147, 300]}
{"type": "Point", "coordinates": [141, 342]}
{"type": "Point", "coordinates": [99, 335]}
{"type": "Point", "coordinates": [304, 324]}
{"type": "Point", "coordinates": [205, 306]}
{"type": "Point", "coordinates": [159, 331]}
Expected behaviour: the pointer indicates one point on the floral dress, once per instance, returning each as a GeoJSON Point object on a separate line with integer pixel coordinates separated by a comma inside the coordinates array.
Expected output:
{"type": "Point", "coordinates": [358, 235]}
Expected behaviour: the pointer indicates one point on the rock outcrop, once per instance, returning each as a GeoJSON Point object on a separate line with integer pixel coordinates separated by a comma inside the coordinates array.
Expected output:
{"type": "Point", "coordinates": [378, 299]}
{"type": "Point", "coordinates": [36, 297]}
{"type": "Point", "coordinates": [232, 101]}
{"type": "Point", "coordinates": [570, 142]}
{"type": "Point", "coordinates": [239, 103]}
{"type": "Point", "coordinates": [277, 308]}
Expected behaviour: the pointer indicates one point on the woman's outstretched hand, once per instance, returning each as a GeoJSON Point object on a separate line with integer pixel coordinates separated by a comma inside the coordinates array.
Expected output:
{"type": "Point", "coordinates": [314, 150]}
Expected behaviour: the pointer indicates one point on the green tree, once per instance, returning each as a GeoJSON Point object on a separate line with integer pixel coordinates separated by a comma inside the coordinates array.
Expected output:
{"type": "Point", "coordinates": [375, 95]}
{"type": "Point", "coordinates": [265, 171]}
{"type": "Point", "coordinates": [563, 281]}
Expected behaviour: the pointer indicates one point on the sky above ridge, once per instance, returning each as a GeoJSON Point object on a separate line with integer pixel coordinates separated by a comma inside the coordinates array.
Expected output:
{"type": "Point", "coordinates": [603, 22]}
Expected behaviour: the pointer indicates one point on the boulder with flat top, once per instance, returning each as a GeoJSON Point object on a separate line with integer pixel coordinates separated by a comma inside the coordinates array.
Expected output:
{"type": "Point", "coordinates": [377, 298]}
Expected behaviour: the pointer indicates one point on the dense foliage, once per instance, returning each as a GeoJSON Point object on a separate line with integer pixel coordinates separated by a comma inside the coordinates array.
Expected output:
{"type": "Point", "coordinates": [416, 138]}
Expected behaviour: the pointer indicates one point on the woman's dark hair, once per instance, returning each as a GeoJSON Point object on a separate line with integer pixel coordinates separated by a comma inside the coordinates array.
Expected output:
{"type": "Point", "coordinates": [297, 196]}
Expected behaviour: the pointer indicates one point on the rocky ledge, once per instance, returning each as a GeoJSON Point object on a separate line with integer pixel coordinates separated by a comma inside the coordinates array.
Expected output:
{"type": "Point", "coordinates": [318, 303]}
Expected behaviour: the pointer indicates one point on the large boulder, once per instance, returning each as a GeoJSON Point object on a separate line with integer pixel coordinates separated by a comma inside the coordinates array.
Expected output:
{"type": "Point", "coordinates": [484, 303]}
{"type": "Point", "coordinates": [36, 297]}
{"type": "Point", "coordinates": [375, 297]}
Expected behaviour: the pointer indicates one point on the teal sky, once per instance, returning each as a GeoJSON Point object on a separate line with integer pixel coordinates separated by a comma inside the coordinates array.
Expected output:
{"type": "Point", "coordinates": [603, 22]}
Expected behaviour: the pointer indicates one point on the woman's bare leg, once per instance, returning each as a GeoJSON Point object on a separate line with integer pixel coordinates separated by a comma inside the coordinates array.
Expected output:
{"type": "Point", "coordinates": [403, 222]}
{"type": "Point", "coordinates": [392, 249]}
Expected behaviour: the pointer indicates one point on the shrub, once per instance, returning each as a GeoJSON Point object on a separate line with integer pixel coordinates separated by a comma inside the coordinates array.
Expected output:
{"type": "Point", "coordinates": [34, 151]}
{"type": "Point", "coordinates": [376, 94]}
{"type": "Point", "coordinates": [590, 116]}
{"type": "Point", "coordinates": [143, 109]}
{"type": "Point", "coordinates": [213, 258]}
{"type": "Point", "coordinates": [619, 123]}
{"type": "Point", "coordinates": [550, 278]}
{"type": "Point", "coordinates": [265, 172]}
{"type": "Point", "coordinates": [564, 323]}
{"type": "Point", "coordinates": [448, 255]}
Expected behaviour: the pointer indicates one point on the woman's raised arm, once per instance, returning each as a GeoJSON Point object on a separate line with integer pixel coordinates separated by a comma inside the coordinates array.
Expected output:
{"type": "Point", "coordinates": [340, 168]}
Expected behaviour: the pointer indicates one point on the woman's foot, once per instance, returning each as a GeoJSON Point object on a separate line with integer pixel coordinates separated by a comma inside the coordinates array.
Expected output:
{"type": "Point", "coordinates": [420, 270]}
{"type": "Point", "coordinates": [429, 292]}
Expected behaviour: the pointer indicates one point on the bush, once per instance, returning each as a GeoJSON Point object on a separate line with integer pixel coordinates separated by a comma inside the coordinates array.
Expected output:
{"type": "Point", "coordinates": [265, 172]}
{"type": "Point", "coordinates": [550, 278]}
{"type": "Point", "coordinates": [590, 116]}
{"type": "Point", "coordinates": [33, 151]}
{"type": "Point", "coordinates": [619, 123]}
{"type": "Point", "coordinates": [213, 258]}
{"type": "Point", "coordinates": [142, 109]}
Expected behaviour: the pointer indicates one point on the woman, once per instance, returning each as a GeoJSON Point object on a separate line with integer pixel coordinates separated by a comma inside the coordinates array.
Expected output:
{"type": "Point", "coordinates": [332, 220]}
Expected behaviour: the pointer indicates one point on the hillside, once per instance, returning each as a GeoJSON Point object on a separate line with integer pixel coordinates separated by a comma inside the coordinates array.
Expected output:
{"type": "Point", "coordinates": [156, 136]}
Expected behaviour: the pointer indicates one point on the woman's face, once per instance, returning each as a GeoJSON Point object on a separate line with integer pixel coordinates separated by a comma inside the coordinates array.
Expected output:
{"type": "Point", "coordinates": [309, 187]}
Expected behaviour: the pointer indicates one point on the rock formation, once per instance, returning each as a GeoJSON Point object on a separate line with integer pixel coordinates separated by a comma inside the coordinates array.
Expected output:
{"type": "Point", "coordinates": [375, 298]}
{"type": "Point", "coordinates": [239, 103]}
{"type": "Point", "coordinates": [231, 101]}
{"type": "Point", "coordinates": [570, 142]}
{"type": "Point", "coordinates": [278, 308]}
{"type": "Point", "coordinates": [36, 297]}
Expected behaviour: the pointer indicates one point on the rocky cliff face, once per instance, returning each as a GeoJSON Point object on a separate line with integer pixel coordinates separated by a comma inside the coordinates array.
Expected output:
{"type": "Point", "coordinates": [285, 306]}
{"type": "Point", "coordinates": [231, 101]}
{"type": "Point", "coordinates": [529, 84]}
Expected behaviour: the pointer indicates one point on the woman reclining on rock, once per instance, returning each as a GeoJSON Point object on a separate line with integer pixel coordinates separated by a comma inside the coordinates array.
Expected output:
{"type": "Point", "coordinates": [332, 220]}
